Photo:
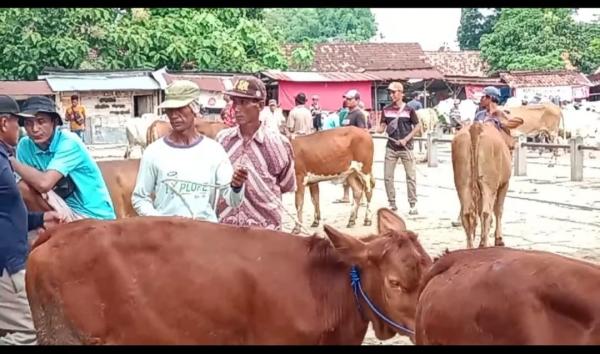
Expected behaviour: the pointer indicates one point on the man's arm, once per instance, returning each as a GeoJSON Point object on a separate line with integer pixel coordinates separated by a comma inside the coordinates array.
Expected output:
{"type": "Point", "coordinates": [417, 126]}
{"type": "Point", "coordinates": [40, 181]}
{"type": "Point", "coordinates": [141, 198]}
{"type": "Point", "coordinates": [382, 124]}
{"type": "Point", "coordinates": [224, 173]}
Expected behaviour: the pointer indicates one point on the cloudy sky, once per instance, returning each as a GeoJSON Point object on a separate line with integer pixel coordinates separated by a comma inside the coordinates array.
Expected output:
{"type": "Point", "coordinates": [431, 27]}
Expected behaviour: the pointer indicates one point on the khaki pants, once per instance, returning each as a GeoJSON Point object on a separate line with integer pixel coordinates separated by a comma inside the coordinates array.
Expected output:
{"type": "Point", "coordinates": [391, 159]}
{"type": "Point", "coordinates": [15, 316]}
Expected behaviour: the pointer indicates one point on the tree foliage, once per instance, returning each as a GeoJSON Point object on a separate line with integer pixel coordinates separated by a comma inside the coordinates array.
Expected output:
{"type": "Point", "coordinates": [298, 25]}
{"type": "Point", "coordinates": [109, 38]}
{"type": "Point", "coordinates": [473, 25]}
{"type": "Point", "coordinates": [540, 38]}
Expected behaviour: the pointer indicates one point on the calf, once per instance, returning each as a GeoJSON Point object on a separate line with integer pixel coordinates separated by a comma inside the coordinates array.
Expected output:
{"type": "Point", "coordinates": [159, 280]}
{"type": "Point", "coordinates": [497, 296]}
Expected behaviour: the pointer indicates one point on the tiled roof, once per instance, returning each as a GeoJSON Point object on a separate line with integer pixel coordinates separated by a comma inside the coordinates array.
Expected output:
{"type": "Point", "coordinates": [205, 82]}
{"type": "Point", "coordinates": [594, 79]}
{"type": "Point", "coordinates": [360, 57]}
{"type": "Point", "coordinates": [28, 88]}
{"type": "Point", "coordinates": [458, 63]}
{"type": "Point", "coordinates": [544, 78]}
{"type": "Point", "coordinates": [312, 76]}
{"type": "Point", "coordinates": [476, 81]}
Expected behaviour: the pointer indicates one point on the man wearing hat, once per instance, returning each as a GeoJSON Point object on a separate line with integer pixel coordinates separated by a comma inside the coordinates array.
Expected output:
{"type": "Point", "coordinates": [489, 106]}
{"type": "Point", "coordinates": [400, 122]}
{"type": "Point", "coordinates": [56, 162]}
{"type": "Point", "coordinates": [15, 316]}
{"type": "Point", "coordinates": [300, 118]}
{"type": "Point", "coordinates": [184, 170]}
{"type": "Point", "coordinates": [267, 154]}
{"type": "Point", "coordinates": [356, 116]}
{"type": "Point", "coordinates": [271, 117]}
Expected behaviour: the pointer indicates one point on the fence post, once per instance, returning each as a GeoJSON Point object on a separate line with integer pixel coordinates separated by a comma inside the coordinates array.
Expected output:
{"type": "Point", "coordinates": [432, 160]}
{"type": "Point", "coordinates": [576, 158]}
{"type": "Point", "coordinates": [520, 162]}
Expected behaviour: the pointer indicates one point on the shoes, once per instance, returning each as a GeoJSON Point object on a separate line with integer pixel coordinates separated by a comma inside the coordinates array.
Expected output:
{"type": "Point", "coordinates": [413, 210]}
{"type": "Point", "coordinates": [393, 207]}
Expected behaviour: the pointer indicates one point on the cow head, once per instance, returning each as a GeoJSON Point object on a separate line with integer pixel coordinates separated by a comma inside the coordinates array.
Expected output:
{"type": "Point", "coordinates": [391, 264]}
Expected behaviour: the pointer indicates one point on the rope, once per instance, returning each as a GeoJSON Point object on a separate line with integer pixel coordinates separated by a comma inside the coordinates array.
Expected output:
{"type": "Point", "coordinates": [357, 287]}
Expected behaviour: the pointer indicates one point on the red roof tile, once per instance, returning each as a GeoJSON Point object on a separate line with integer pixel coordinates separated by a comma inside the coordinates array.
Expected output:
{"type": "Point", "coordinates": [458, 63]}
{"type": "Point", "coordinates": [205, 82]}
{"type": "Point", "coordinates": [594, 79]}
{"type": "Point", "coordinates": [27, 88]}
{"type": "Point", "coordinates": [311, 76]}
{"type": "Point", "coordinates": [388, 75]}
{"type": "Point", "coordinates": [544, 78]}
{"type": "Point", "coordinates": [360, 57]}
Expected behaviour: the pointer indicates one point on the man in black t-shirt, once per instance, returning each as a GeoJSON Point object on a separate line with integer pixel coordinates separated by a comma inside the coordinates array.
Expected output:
{"type": "Point", "coordinates": [400, 122]}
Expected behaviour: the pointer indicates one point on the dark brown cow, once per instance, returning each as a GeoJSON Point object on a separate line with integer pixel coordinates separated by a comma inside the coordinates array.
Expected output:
{"type": "Point", "coordinates": [120, 177]}
{"type": "Point", "coordinates": [329, 155]}
{"type": "Point", "coordinates": [158, 280]}
{"type": "Point", "coordinates": [506, 296]}
{"type": "Point", "coordinates": [481, 162]}
{"type": "Point", "coordinates": [160, 128]}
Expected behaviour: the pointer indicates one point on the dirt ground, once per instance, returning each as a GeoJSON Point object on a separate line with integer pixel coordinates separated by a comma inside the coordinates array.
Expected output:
{"type": "Point", "coordinates": [543, 211]}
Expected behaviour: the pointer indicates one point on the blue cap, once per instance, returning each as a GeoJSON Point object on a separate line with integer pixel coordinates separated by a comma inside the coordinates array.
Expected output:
{"type": "Point", "coordinates": [492, 92]}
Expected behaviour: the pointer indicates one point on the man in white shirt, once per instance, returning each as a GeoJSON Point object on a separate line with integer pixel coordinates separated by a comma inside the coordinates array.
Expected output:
{"type": "Point", "coordinates": [300, 118]}
{"type": "Point", "coordinates": [185, 170]}
{"type": "Point", "coordinates": [271, 117]}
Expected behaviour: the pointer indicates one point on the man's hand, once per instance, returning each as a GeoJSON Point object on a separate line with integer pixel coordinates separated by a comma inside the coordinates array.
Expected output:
{"type": "Point", "coordinates": [239, 177]}
{"type": "Point", "coordinates": [52, 219]}
{"type": "Point", "coordinates": [402, 142]}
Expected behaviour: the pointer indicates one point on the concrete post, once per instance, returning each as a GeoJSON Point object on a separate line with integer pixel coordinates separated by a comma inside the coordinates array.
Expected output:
{"type": "Point", "coordinates": [520, 156]}
{"type": "Point", "coordinates": [432, 160]}
{"type": "Point", "coordinates": [576, 159]}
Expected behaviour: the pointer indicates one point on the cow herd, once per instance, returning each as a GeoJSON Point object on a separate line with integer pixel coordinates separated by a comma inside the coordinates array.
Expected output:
{"type": "Point", "coordinates": [150, 280]}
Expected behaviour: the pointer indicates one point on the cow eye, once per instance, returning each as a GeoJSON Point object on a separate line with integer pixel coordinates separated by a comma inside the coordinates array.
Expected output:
{"type": "Point", "coordinates": [395, 284]}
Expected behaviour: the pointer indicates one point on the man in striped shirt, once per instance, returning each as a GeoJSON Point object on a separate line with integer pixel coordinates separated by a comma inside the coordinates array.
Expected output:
{"type": "Point", "coordinates": [266, 154]}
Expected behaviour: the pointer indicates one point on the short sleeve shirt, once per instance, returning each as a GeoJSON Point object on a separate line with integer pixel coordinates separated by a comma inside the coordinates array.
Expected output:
{"type": "Point", "coordinates": [76, 113]}
{"type": "Point", "coordinates": [356, 118]}
{"type": "Point", "coordinates": [68, 155]}
{"type": "Point", "coordinates": [397, 129]}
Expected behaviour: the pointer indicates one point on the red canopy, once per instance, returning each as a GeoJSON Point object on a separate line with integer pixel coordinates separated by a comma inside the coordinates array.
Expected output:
{"type": "Point", "coordinates": [330, 93]}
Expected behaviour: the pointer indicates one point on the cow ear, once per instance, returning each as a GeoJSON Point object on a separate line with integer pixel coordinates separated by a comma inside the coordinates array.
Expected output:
{"type": "Point", "coordinates": [387, 220]}
{"type": "Point", "coordinates": [351, 250]}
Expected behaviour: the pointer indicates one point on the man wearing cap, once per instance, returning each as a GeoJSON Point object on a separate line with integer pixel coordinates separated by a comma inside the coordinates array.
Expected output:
{"type": "Point", "coordinates": [300, 119]}
{"type": "Point", "coordinates": [15, 316]}
{"type": "Point", "coordinates": [400, 122]}
{"type": "Point", "coordinates": [489, 106]}
{"type": "Point", "coordinates": [56, 162]}
{"type": "Point", "coordinates": [185, 169]}
{"type": "Point", "coordinates": [271, 117]}
{"type": "Point", "coordinates": [415, 103]}
{"type": "Point", "coordinates": [356, 116]}
{"type": "Point", "coordinates": [268, 155]}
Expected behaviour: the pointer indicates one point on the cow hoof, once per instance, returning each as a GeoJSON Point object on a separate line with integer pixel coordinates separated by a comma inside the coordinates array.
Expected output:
{"type": "Point", "coordinates": [367, 223]}
{"type": "Point", "coordinates": [296, 230]}
{"type": "Point", "coordinates": [314, 224]}
{"type": "Point", "coordinates": [350, 224]}
{"type": "Point", "coordinates": [499, 243]}
{"type": "Point", "coordinates": [481, 245]}
{"type": "Point", "coordinates": [456, 223]}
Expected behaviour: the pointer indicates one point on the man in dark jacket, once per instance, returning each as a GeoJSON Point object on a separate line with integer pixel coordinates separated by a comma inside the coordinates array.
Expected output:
{"type": "Point", "coordinates": [15, 221]}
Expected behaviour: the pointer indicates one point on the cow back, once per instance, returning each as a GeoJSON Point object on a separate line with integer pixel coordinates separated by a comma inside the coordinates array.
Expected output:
{"type": "Point", "coordinates": [120, 177]}
{"type": "Point", "coordinates": [537, 118]}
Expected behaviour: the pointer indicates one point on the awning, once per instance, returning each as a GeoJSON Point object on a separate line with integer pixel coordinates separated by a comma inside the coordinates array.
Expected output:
{"type": "Point", "coordinates": [330, 93]}
{"type": "Point", "coordinates": [389, 75]}
{"type": "Point", "coordinates": [309, 76]}
{"type": "Point", "coordinates": [25, 88]}
{"type": "Point", "coordinates": [102, 83]}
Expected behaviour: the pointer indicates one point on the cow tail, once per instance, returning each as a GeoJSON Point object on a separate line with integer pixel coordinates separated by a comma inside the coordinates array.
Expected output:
{"type": "Point", "coordinates": [475, 132]}
{"type": "Point", "coordinates": [562, 122]}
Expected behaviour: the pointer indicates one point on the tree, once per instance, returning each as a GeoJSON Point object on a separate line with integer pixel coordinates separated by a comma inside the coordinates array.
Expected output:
{"type": "Point", "coordinates": [473, 25]}
{"type": "Point", "coordinates": [110, 38]}
{"type": "Point", "coordinates": [527, 39]}
{"type": "Point", "coordinates": [317, 25]}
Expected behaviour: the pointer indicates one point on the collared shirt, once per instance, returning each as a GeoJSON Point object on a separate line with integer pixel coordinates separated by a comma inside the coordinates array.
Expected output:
{"type": "Point", "coordinates": [300, 120]}
{"type": "Point", "coordinates": [270, 160]}
{"type": "Point", "coordinates": [14, 219]}
{"type": "Point", "coordinates": [415, 104]}
{"type": "Point", "coordinates": [272, 120]}
{"type": "Point", "coordinates": [68, 155]}
{"type": "Point", "coordinates": [184, 180]}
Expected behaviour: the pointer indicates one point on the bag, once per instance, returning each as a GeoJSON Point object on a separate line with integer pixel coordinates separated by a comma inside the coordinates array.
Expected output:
{"type": "Point", "coordinates": [64, 187]}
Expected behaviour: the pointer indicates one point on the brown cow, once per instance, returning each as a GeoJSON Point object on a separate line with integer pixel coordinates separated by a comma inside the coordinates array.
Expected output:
{"type": "Point", "coordinates": [499, 296]}
{"type": "Point", "coordinates": [481, 161]}
{"type": "Point", "coordinates": [160, 128]}
{"type": "Point", "coordinates": [120, 177]}
{"type": "Point", "coordinates": [334, 154]}
{"type": "Point", "coordinates": [159, 280]}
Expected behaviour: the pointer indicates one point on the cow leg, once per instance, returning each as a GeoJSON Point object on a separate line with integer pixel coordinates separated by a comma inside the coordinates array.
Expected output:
{"type": "Point", "coordinates": [469, 222]}
{"type": "Point", "coordinates": [127, 152]}
{"type": "Point", "coordinates": [498, 210]}
{"type": "Point", "coordinates": [314, 195]}
{"type": "Point", "coordinates": [299, 205]}
{"type": "Point", "coordinates": [487, 198]}
{"type": "Point", "coordinates": [368, 213]}
{"type": "Point", "coordinates": [357, 187]}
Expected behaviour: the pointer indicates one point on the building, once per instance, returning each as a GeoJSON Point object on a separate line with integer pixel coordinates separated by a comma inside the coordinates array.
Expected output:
{"type": "Point", "coordinates": [569, 85]}
{"type": "Point", "coordinates": [211, 87]}
{"type": "Point", "coordinates": [22, 90]}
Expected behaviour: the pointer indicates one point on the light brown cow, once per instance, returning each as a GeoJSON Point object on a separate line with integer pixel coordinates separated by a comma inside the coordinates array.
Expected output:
{"type": "Point", "coordinates": [120, 177]}
{"type": "Point", "coordinates": [158, 280]}
{"type": "Point", "coordinates": [481, 161]}
{"type": "Point", "coordinates": [541, 118]}
{"type": "Point", "coordinates": [334, 154]}
{"type": "Point", "coordinates": [160, 128]}
{"type": "Point", "coordinates": [498, 296]}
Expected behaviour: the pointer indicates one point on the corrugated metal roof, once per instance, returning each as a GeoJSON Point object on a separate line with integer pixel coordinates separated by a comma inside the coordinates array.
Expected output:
{"type": "Point", "coordinates": [477, 81]}
{"type": "Point", "coordinates": [28, 88]}
{"type": "Point", "coordinates": [388, 75]}
{"type": "Point", "coordinates": [101, 83]}
{"type": "Point", "coordinates": [308, 76]}
{"type": "Point", "coordinates": [205, 82]}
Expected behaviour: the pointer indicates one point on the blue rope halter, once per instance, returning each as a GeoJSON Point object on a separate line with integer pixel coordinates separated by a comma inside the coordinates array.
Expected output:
{"type": "Point", "coordinates": [357, 287]}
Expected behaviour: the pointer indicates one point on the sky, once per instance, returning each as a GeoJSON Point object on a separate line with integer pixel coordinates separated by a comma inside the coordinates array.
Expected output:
{"type": "Point", "coordinates": [431, 27]}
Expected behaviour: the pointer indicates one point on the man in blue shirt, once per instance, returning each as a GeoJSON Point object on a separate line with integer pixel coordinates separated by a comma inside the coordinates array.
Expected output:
{"type": "Point", "coordinates": [415, 103]}
{"type": "Point", "coordinates": [15, 315]}
{"type": "Point", "coordinates": [56, 162]}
